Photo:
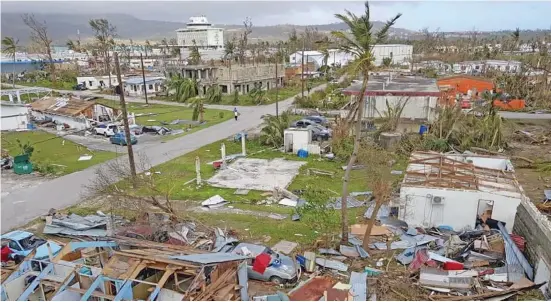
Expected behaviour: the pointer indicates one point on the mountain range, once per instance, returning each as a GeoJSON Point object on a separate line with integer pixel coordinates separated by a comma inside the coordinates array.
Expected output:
{"type": "Point", "coordinates": [62, 27]}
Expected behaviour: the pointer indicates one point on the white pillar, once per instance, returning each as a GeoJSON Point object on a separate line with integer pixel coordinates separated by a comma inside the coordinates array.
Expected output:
{"type": "Point", "coordinates": [18, 97]}
{"type": "Point", "coordinates": [223, 150]}
{"type": "Point", "coordinates": [11, 97]}
{"type": "Point", "coordinates": [198, 169]}
{"type": "Point", "coordinates": [243, 149]}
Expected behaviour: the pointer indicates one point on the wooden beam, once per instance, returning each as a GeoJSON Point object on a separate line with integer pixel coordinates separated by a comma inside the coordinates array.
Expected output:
{"type": "Point", "coordinates": [96, 294]}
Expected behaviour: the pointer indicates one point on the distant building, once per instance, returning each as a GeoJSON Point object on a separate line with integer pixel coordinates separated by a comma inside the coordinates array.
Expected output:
{"type": "Point", "coordinates": [97, 82]}
{"type": "Point", "coordinates": [243, 78]}
{"type": "Point", "coordinates": [481, 67]}
{"type": "Point", "coordinates": [199, 29]}
{"type": "Point", "coordinates": [399, 53]}
{"type": "Point", "coordinates": [135, 86]}
{"type": "Point", "coordinates": [14, 116]}
{"type": "Point", "coordinates": [420, 96]}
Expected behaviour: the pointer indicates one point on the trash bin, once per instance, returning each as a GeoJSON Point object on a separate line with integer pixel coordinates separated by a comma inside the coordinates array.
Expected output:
{"type": "Point", "coordinates": [22, 164]}
{"type": "Point", "coordinates": [423, 129]}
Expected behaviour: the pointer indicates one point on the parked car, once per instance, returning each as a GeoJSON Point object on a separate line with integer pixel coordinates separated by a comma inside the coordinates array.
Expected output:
{"type": "Point", "coordinates": [318, 119]}
{"type": "Point", "coordinates": [135, 129]}
{"type": "Point", "coordinates": [106, 130]}
{"type": "Point", "coordinates": [302, 123]}
{"type": "Point", "coordinates": [282, 269]}
{"type": "Point", "coordinates": [319, 133]}
{"type": "Point", "coordinates": [23, 243]}
{"type": "Point", "coordinates": [120, 139]}
{"type": "Point", "coordinates": [80, 86]}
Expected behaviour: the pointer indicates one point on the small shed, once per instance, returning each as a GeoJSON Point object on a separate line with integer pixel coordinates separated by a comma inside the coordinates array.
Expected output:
{"type": "Point", "coordinates": [14, 116]}
{"type": "Point", "coordinates": [296, 139]}
{"type": "Point", "coordinates": [135, 86]}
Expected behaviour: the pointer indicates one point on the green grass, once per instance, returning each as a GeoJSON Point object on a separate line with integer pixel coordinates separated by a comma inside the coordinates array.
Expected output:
{"type": "Point", "coordinates": [52, 150]}
{"type": "Point", "coordinates": [48, 84]}
{"type": "Point", "coordinates": [167, 113]}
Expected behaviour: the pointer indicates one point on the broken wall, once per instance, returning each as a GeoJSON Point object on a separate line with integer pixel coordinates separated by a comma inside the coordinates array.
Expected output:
{"type": "Point", "coordinates": [536, 229]}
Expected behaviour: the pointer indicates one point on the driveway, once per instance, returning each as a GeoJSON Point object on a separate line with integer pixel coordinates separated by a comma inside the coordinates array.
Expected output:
{"type": "Point", "coordinates": [21, 206]}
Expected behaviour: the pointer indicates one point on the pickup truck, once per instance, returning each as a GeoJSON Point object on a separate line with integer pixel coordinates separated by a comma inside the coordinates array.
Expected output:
{"type": "Point", "coordinates": [106, 130]}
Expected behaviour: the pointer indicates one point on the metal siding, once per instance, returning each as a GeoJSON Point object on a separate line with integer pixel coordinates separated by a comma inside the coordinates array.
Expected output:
{"type": "Point", "coordinates": [210, 258]}
{"type": "Point", "coordinates": [513, 256]}
{"type": "Point", "coordinates": [359, 285]}
{"type": "Point", "coordinates": [243, 280]}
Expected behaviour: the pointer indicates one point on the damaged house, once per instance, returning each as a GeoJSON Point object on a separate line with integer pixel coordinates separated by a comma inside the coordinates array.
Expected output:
{"type": "Point", "coordinates": [459, 191]}
{"type": "Point", "coordinates": [129, 269]}
{"type": "Point", "coordinates": [75, 113]}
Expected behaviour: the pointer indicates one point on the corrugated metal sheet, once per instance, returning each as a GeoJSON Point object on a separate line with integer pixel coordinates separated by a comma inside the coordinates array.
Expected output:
{"type": "Point", "coordinates": [243, 280]}
{"type": "Point", "coordinates": [513, 256]}
{"type": "Point", "coordinates": [359, 286]}
{"type": "Point", "coordinates": [210, 258]}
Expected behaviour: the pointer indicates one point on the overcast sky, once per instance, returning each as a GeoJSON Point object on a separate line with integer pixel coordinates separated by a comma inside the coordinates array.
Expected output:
{"type": "Point", "coordinates": [446, 15]}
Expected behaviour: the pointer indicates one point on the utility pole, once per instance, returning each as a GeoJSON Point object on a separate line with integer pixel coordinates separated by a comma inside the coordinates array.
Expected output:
{"type": "Point", "coordinates": [125, 121]}
{"type": "Point", "coordinates": [277, 82]}
{"type": "Point", "coordinates": [143, 76]}
{"type": "Point", "coordinates": [302, 69]}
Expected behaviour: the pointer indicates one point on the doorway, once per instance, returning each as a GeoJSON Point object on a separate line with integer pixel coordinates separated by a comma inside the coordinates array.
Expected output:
{"type": "Point", "coordinates": [485, 209]}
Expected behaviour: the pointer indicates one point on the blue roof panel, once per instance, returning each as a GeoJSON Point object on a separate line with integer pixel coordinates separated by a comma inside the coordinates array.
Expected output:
{"type": "Point", "coordinates": [17, 235]}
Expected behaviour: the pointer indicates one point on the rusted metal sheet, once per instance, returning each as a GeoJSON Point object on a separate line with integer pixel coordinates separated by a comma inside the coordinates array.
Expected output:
{"type": "Point", "coordinates": [312, 290]}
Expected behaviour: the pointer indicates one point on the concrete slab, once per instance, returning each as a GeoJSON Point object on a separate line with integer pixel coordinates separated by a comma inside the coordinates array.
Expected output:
{"type": "Point", "coordinates": [257, 174]}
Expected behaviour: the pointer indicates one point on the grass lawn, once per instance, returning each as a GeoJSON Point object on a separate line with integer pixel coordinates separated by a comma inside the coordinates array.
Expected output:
{"type": "Point", "coordinates": [52, 150]}
{"type": "Point", "coordinates": [48, 84]}
{"type": "Point", "coordinates": [182, 169]}
{"type": "Point", "coordinates": [167, 113]}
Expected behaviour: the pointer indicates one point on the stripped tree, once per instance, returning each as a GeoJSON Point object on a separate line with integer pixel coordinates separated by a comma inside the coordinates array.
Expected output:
{"type": "Point", "coordinates": [41, 39]}
{"type": "Point", "coordinates": [104, 33]}
{"type": "Point", "coordinates": [360, 44]}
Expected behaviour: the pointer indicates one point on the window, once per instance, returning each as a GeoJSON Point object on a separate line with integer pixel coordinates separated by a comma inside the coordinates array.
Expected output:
{"type": "Point", "coordinates": [90, 83]}
{"type": "Point", "coordinates": [134, 87]}
{"type": "Point", "coordinates": [150, 87]}
{"type": "Point", "coordinates": [101, 83]}
{"type": "Point", "coordinates": [14, 246]}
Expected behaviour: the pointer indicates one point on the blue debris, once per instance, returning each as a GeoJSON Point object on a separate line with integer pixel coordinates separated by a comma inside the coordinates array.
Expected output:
{"type": "Point", "coordinates": [411, 231]}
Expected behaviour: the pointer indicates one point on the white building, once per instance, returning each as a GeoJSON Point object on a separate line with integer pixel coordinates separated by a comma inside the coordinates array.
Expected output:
{"type": "Point", "coordinates": [418, 95]}
{"type": "Point", "coordinates": [455, 190]}
{"type": "Point", "coordinates": [400, 54]}
{"type": "Point", "coordinates": [147, 63]}
{"type": "Point", "coordinates": [336, 57]}
{"type": "Point", "coordinates": [135, 86]}
{"type": "Point", "coordinates": [14, 116]}
{"type": "Point", "coordinates": [202, 32]}
{"type": "Point", "coordinates": [97, 82]}
{"type": "Point", "coordinates": [481, 67]}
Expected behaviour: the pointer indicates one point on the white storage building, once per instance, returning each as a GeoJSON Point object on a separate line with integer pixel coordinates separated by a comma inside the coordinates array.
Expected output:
{"type": "Point", "coordinates": [453, 190]}
{"type": "Point", "coordinates": [420, 96]}
{"type": "Point", "coordinates": [14, 116]}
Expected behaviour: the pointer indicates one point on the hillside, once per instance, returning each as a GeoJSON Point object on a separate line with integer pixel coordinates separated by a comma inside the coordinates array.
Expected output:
{"type": "Point", "coordinates": [65, 26]}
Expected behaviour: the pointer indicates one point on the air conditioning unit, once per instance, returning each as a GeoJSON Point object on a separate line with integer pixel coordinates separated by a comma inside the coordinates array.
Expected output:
{"type": "Point", "coordinates": [437, 200]}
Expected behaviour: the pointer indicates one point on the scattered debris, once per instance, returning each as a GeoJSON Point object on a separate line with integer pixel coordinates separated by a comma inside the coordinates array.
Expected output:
{"type": "Point", "coordinates": [351, 203]}
{"type": "Point", "coordinates": [241, 192]}
{"type": "Point", "coordinates": [214, 202]}
{"type": "Point", "coordinates": [332, 264]}
{"type": "Point", "coordinates": [396, 172]}
{"type": "Point", "coordinates": [285, 247]}
{"type": "Point", "coordinates": [85, 157]}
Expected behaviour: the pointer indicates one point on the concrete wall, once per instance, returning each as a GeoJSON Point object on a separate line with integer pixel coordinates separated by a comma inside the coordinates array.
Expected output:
{"type": "Point", "coordinates": [536, 229]}
{"type": "Point", "coordinates": [95, 82]}
{"type": "Point", "coordinates": [14, 117]}
{"type": "Point", "coordinates": [459, 208]}
{"type": "Point", "coordinates": [137, 89]}
{"type": "Point", "coordinates": [400, 53]}
{"type": "Point", "coordinates": [418, 107]}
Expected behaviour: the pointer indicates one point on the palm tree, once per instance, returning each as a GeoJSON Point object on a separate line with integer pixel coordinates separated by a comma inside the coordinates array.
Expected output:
{"type": "Point", "coordinates": [198, 109]}
{"type": "Point", "coordinates": [360, 44]}
{"type": "Point", "coordinates": [515, 36]}
{"type": "Point", "coordinates": [185, 88]}
{"type": "Point", "coordinates": [9, 47]}
{"type": "Point", "coordinates": [229, 51]}
{"type": "Point", "coordinates": [214, 94]}
{"type": "Point", "coordinates": [274, 128]}
{"type": "Point", "coordinates": [147, 47]}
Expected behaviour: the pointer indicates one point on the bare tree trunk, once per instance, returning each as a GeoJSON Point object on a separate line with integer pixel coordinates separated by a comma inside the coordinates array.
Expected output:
{"type": "Point", "coordinates": [352, 160]}
{"type": "Point", "coordinates": [378, 203]}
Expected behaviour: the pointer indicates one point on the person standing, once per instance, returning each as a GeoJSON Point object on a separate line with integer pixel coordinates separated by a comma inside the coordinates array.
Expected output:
{"type": "Point", "coordinates": [235, 113]}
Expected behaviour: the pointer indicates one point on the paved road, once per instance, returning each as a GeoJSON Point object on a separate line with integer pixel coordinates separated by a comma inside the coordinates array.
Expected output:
{"type": "Point", "coordinates": [21, 206]}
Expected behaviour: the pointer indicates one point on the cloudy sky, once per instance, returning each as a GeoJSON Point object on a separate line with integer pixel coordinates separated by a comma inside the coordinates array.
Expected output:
{"type": "Point", "coordinates": [446, 15]}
